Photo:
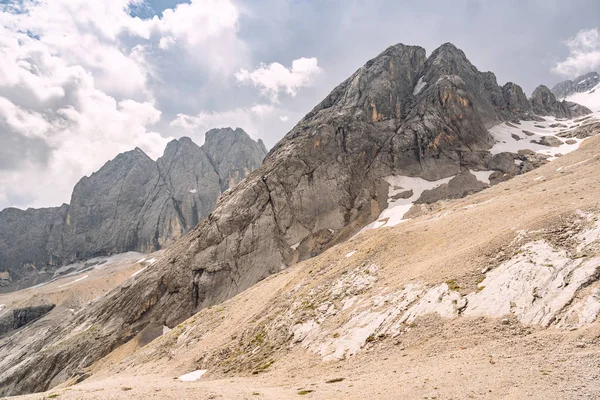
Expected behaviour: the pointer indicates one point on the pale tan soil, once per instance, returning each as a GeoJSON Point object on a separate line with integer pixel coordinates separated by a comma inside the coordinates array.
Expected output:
{"type": "Point", "coordinates": [444, 359]}
{"type": "Point", "coordinates": [466, 359]}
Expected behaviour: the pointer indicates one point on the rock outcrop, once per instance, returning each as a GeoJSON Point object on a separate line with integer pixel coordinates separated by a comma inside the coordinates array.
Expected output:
{"type": "Point", "coordinates": [402, 113]}
{"type": "Point", "coordinates": [233, 153]}
{"type": "Point", "coordinates": [18, 318]}
{"type": "Point", "coordinates": [30, 245]}
{"type": "Point", "coordinates": [131, 204]}
{"type": "Point", "coordinates": [581, 84]}
{"type": "Point", "coordinates": [543, 102]}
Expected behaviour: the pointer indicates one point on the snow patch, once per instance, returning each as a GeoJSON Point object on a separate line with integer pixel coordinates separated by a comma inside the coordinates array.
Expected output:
{"type": "Point", "coordinates": [193, 191]}
{"type": "Point", "coordinates": [482, 176]}
{"type": "Point", "coordinates": [506, 142]}
{"type": "Point", "coordinates": [394, 213]}
{"type": "Point", "coordinates": [75, 281]}
{"type": "Point", "coordinates": [138, 272]}
{"type": "Point", "coordinates": [419, 86]}
{"type": "Point", "coordinates": [590, 99]}
{"type": "Point", "coordinates": [192, 376]}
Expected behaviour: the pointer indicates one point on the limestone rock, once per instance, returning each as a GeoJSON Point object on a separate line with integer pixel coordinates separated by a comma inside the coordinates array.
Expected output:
{"type": "Point", "coordinates": [18, 318]}
{"type": "Point", "coordinates": [581, 84]}
{"type": "Point", "coordinates": [131, 204]}
{"type": "Point", "coordinates": [402, 113]}
{"type": "Point", "coordinates": [460, 186]}
{"type": "Point", "coordinates": [549, 141]}
{"type": "Point", "coordinates": [543, 102]}
{"type": "Point", "coordinates": [233, 154]}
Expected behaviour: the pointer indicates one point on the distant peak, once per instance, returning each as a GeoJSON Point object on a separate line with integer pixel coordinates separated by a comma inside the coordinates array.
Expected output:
{"type": "Point", "coordinates": [217, 134]}
{"type": "Point", "coordinates": [446, 50]}
{"type": "Point", "coordinates": [134, 154]}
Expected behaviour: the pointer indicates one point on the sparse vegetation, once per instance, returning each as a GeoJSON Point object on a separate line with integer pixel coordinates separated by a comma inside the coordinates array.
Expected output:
{"type": "Point", "coordinates": [262, 367]}
{"type": "Point", "coordinates": [305, 391]}
{"type": "Point", "coordinates": [334, 380]}
{"type": "Point", "coordinates": [452, 285]}
{"type": "Point", "coordinates": [258, 339]}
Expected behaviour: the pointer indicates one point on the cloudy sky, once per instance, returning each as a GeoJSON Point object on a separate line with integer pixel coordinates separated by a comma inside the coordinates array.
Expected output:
{"type": "Point", "coordinates": [82, 80]}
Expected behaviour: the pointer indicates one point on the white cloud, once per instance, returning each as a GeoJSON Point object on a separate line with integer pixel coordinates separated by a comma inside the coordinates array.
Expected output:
{"type": "Point", "coordinates": [274, 78]}
{"type": "Point", "coordinates": [283, 118]}
{"type": "Point", "coordinates": [74, 81]}
{"type": "Point", "coordinates": [584, 49]}
{"type": "Point", "coordinates": [249, 119]}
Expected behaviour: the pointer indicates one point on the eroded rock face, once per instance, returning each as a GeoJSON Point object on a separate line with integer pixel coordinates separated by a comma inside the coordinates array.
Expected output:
{"type": "Point", "coordinates": [233, 154]}
{"type": "Point", "coordinates": [516, 101]}
{"type": "Point", "coordinates": [543, 102]}
{"type": "Point", "coordinates": [581, 84]}
{"type": "Point", "coordinates": [30, 244]}
{"type": "Point", "coordinates": [131, 204]}
{"type": "Point", "coordinates": [400, 114]}
{"type": "Point", "coordinates": [18, 318]}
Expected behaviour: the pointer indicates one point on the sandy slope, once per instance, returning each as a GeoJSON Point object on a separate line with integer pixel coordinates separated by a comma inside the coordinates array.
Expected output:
{"type": "Point", "coordinates": [438, 358]}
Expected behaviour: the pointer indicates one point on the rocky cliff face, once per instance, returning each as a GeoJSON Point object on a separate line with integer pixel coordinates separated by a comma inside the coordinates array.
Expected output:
{"type": "Point", "coordinates": [543, 102]}
{"type": "Point", "coordinates": [30, 245]}
{"type": "Point", "coordinates": [581, 84]}
{"type": "Point", "coordinates": [233, 154]}
{"type": "Point", "coordinates": [402, 113]}
{"type": "Point", "coordinates": [131, 203]}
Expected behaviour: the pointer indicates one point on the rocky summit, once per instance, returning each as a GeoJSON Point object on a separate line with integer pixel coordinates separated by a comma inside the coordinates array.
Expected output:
{"type": "Point", "coordinates": [581, 84]}
{"type": "Point", "coordinates": [131, 204]}
{"type": "Point", "coordinates": [401, 114]}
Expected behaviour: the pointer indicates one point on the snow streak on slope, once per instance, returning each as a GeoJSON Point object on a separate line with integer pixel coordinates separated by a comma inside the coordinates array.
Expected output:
{"type": "Point", "coordinates": [589, 99]}
{"type": "Point", "coordinates": [394, 214]}
{"type": "Point", "coordinates": [511, 137]}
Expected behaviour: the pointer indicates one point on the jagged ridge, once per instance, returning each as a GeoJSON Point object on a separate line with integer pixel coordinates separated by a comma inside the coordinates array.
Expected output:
{"type": "Point", "coordinates": [131, 203]}
{"type": "Point", "coordinates": [400, 114]}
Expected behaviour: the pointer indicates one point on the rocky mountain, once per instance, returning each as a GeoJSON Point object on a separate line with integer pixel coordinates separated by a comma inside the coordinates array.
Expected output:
{"type": "Point", "coordinates": [581, 84]}
{"type": "Point", "coordinates": [401, 114]}
{"type": "Point", "coordinates": [544, 102]}
{"type": "Point", "coordinates": [131, 204]}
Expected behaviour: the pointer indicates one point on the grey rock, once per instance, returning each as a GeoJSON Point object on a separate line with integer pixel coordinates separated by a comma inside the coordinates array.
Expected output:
{"type": "Point", "coordinates": [19, 317]}
{"type": "Point", "coordinates": [582, 132]}
{"type": "Point", "coordinates": [460, 186]}
{"type": "Point", "coordinates": [543, 102]}
{"type": "Point", "coordinates": [131, 204]}
{"type": "Point", "coordinates": [403, 195]}
{"type": "Point", "coordinates": [30, 245]}
{"type": "Point", "coordinates": [318, 186]}
{"type": "Point", "coordinates": [581, 84]}
{"type": "Point", "coordinates": [498, 177]}
{"type": "Point", "coordinates": [516, 101]}
{"type": "Point", "coordinates": [233, 153]}
{"type": "Point", "coordinates": [549, 141]}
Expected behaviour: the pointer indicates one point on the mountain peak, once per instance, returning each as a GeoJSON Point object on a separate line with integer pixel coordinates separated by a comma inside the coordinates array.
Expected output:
{"type": "Point", "coordinates": [580, 84]}
{"type": "Point", "coordinates": [219, 134]}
